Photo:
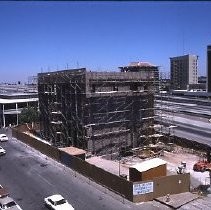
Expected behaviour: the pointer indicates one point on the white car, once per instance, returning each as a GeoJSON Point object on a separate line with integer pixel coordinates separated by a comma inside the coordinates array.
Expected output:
{"type": "Point", "coordinates": [2, 151]}
{"type": "Point", "coordinates": [8, 203]}
{"type": "Point", "coordinates": [57, 202]}
{"type": "Point", "coordinates": [3, 137]}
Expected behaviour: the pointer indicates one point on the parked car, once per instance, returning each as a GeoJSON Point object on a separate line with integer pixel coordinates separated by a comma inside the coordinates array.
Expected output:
{"type": "Point", "coordinates": [57, 202]}
{"type": "Point", "coordinates": [2, 151]}
{"type": "Point", "coordinates": [3, 192]}
{"type": "Point", "coordinates": [8, 203]}
{"type": "Point", "coordinates": [3, 137]}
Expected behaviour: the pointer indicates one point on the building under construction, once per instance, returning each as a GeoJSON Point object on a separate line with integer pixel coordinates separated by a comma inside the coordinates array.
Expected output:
{"type": "Point", "coordinates": [144, 67]}
{"type": "Point", "coordinates": [96, 111]}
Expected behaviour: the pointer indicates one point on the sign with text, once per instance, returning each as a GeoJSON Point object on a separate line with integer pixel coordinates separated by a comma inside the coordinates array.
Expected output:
{"type": "Point", "coordinates": [142, 188]}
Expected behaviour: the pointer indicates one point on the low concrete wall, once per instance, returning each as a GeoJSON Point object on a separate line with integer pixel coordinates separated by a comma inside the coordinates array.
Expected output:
{"type": "Point", "coordinates": [186, 143]}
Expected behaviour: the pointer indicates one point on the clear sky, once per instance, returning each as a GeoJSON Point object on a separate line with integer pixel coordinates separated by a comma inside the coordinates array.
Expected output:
{"type": "Point", "coordinates": [46, 36]}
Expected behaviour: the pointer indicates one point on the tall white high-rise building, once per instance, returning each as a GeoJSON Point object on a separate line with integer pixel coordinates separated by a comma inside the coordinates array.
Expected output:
{"type": "Point", "coordinates": [184, 71]}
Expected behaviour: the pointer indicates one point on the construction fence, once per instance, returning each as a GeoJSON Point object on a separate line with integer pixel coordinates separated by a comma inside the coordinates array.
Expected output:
{"type": "Point", "coordinates": [132, 191]}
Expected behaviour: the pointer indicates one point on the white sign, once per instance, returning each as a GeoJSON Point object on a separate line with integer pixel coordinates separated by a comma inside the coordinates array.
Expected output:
{"type": "Point", "coordinates": [142, 188]}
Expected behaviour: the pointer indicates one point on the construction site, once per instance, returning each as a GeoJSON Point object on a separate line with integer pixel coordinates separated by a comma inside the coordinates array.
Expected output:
{"type": "Point", "coordinates": [101, 112]}
{"type": "Point", "coordinates": [105, 126]}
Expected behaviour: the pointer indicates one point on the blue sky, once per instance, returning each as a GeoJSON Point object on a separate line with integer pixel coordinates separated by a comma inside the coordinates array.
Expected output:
{"type": "Point", "coordinates": [46, 36]}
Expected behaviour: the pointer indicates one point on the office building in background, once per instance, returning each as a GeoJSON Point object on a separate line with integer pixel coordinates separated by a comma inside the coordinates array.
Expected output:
{"type": "Point", "coordinates": [184, 71]}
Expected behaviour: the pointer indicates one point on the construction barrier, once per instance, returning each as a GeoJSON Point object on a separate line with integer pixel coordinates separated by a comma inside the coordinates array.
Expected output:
{"type": "Point", "coordinates": [133, 191]}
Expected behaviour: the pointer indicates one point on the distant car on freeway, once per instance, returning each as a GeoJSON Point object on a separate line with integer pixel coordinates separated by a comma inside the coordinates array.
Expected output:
{"type": "Point", "coordinates": [8, 203]}
{"type": "Point", "coordinates": [2, 151]}
{"type": "Point", "coordinates": [57, 202]}
{"type": "Point", "coordinates": [3, 137]}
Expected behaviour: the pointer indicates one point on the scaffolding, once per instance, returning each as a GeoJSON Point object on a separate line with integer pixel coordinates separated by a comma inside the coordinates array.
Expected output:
{"type": "Point", "coordinates": [165, 111]}
{"type": "Point", "coordinates": [96, 111]}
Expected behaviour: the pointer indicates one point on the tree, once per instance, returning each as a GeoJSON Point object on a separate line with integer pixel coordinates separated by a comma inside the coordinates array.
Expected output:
{"type": "Point", "coordinates": [29, 115]}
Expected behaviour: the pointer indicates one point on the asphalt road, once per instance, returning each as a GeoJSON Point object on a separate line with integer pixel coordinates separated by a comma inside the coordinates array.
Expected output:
{"type": "Point", "coordinates": [30, 176]}
{"type": "Point", "coordinates": [186, 128]}
{"type": "Point", "coordinates": [191, 119]}
{"type": "Point", "coordinates": [181, 107]}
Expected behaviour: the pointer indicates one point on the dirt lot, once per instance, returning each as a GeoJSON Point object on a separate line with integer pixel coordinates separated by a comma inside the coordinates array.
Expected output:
{"type": "Point", "coordinates": [173, 159]}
